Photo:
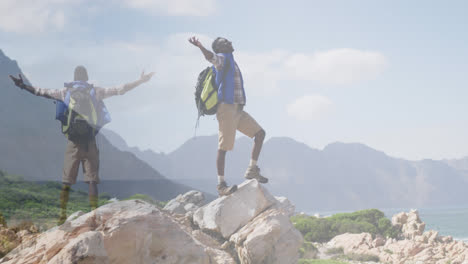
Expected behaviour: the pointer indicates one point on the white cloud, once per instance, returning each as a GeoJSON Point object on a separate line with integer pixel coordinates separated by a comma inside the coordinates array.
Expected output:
{"type": "Point", "coordinates": [263, 72]}
{"type": "Point", "coordinates": [338, 66]}
{"type": "Point", "coordinates": [175, 7]}
{"type": "Point", "coordinates": [39, 16]}
{"type": "Point", "coordinates": [309, 107]}
{"type": "Point", "coordinates": [30, 16]}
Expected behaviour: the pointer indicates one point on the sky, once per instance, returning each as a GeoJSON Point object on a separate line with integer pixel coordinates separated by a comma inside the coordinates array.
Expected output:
{"type": "Point", "coordinates": [388, 74]}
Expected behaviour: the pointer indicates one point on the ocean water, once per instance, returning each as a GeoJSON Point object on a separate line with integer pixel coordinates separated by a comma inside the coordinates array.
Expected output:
{"type": "Point", "coordinates": [449, 221]}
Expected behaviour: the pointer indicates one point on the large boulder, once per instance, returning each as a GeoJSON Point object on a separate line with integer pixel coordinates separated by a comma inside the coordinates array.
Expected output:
{"type": "Point", "coordinates": [122, 232]}
{"type": "Point", "coordinates": [352, 243]}
{"type": "Point", "coordinates": [269, 238]}
{"type": "Point", "coordinates": [249, 226]}
{"type": "Point", "coordinates": [255, 223]}
{"type": "Point", "coordinates": [229, 213]}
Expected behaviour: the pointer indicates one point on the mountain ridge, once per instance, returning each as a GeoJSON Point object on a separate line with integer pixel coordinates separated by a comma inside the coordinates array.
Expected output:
{"type": "Point", "coordinates": [341, 176]}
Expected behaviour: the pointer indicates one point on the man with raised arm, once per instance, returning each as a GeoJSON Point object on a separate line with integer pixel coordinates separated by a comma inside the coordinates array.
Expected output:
{"type": "Point", "coordinates": [82, 113]}
{"type": "Point", "coordinates": [230, 113]}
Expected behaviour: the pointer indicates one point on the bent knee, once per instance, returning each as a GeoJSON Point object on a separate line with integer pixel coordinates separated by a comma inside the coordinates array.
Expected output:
{"type": "Point", "coordinates": [260, 135]}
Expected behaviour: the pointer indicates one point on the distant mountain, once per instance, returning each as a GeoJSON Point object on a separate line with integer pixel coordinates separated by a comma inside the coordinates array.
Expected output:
{"type": "Point", "coordinates": [339, 177]}
{"type": "Point", "coordinates": [461, 165]}
{"type": "Point", "coordinates": [159, 161]}
{"type": "Point", "coordinates": [32, 145]}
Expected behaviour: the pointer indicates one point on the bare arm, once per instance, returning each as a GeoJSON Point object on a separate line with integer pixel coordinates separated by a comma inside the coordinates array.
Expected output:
{"type": "Point", "coordinates": [47, 93]}
{"type": "Point", "coordinates": [208, 54]}
{"type": "Point", "coordinates": [103, 93]}
{"type": "Point", "coordinates": [216, 59]}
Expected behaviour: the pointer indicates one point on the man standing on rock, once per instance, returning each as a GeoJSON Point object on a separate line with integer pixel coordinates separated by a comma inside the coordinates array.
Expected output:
{"type": "Point", "coordinates": [230, 113]}
{"type": "Point", "coordinates": [82, 115]}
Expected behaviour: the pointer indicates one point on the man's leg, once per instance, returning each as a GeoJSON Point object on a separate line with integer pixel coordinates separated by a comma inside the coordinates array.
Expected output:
{"type": "Point", "coordinates": [70, 172]}
{"type": "Point", "coordinates": [220, 161]}
{"type": "Point", "coordinates": [258, 143]}
{"type": "Point", "coordinates": [91, 172]}
{"type": "Point", "coordinates": [93, 195]}
{"type": "Point", "coordinates": [64, 195]}
{"type": "Point", "coordinates": [250, 127]}
{"type": "Point", "coordinates": [227, 135]}
{"type": "Point", "coordinates": [223, 188]}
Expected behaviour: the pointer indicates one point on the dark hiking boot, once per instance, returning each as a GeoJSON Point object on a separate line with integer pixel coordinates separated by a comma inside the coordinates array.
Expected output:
{"type": "Point", "coordinates": [253, 172]}
{"type": "Point", "coordinates": [224, 190]}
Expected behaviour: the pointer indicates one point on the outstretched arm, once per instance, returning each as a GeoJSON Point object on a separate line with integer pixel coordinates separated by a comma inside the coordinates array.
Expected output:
{"type": "Point", "coordinates": [103, 93]}
{"type": "Point", "coordinates": [47, 93]}
{"type": "Point", "coordinates": [208, 54]}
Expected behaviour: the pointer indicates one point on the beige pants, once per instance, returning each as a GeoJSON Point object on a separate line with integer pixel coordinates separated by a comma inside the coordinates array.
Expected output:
{"type": "Point", "coordinates": [76, 154]}
{"type": "Point", "coordinates": [231, 117]}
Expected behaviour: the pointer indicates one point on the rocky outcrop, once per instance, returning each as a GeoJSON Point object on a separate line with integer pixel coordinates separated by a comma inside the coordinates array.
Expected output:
{"type": "Point", "coordinates": [184, 203]}
{"type": "Point", "coordinates": [11, 238]}
{"type": "Point", "coordinates": [416, 246]}
{"type": "Point", "coordinates": [138, 232]}
{"type": "Point", "coordinates": [410, 224]}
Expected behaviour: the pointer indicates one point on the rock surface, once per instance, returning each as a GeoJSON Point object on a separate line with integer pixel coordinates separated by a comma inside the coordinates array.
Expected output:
{"type": "Point", "coordinates": [409, 223]}
{"type": "Point", "coordinates": [137, 232]}
{"type": "Point", "coordinates": [184, 203]}
{"type": "Point", "coordinates": [11, 238]}
{"type": "Point", "coordinates": [229, 213]}
{"type": "Point", "coordinates": [415, 247]}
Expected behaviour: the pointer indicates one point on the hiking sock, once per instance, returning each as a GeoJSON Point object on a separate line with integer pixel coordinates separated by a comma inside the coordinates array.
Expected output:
{"type": "Point", "coordinates": [252, 163]}
{"type": "Point", "coordinates": [93, 201]}
{"type": "Point", "coordinates": [220, 179]}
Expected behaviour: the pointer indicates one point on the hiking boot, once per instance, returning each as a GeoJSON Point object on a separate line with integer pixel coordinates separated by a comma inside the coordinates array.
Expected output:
{"type": "Point", "coordinates": [253, 172]}
{"type": "Point", "coordinates": [224, 190]}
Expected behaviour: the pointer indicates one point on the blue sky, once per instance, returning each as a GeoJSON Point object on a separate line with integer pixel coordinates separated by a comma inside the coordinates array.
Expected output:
{"type": "Point", "coordinates": [389, 74]}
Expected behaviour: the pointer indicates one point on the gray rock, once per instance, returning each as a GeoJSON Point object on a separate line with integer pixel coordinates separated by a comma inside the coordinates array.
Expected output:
{"type": "Point", "coordinates": [182, 204]}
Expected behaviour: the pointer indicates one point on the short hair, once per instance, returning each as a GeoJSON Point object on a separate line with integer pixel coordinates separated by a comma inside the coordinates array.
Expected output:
{"type": "Point", "coordinates": [81, 74]}
{"type": "Point", "coordinates": [218, 44]}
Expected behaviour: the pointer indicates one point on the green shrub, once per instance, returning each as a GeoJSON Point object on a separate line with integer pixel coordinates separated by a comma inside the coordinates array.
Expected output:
{"type": "Point", "coordinates": [335, 251]}
{"type": "Point", "coordinates": [308, 250]}
{"type": "Point", "coordinates": [105, 196]}
{"type": "Point", "coordinates": [322, 230]}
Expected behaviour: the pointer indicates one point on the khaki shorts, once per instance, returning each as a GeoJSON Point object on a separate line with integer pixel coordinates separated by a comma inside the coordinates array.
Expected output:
{"type": "Point", "coordinates": [76, 154]}
{"type": "Point", "coordinates": [232, 117]}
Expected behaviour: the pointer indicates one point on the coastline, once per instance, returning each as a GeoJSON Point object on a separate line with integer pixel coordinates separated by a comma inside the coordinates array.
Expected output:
{"type": "Point", "coordinates": [448, 221]}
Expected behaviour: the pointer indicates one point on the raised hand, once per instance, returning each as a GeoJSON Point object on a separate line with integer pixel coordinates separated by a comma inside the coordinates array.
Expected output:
{"type": "Point", "coordinates": [194, 41]}
{"type": "Point", "coordinates": [18, 81]}
{"type": "Point", "coordinates": [146, 77]}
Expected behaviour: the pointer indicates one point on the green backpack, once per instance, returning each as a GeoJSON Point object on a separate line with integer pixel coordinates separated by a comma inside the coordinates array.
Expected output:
{"type": "Point", "coordinates": [206, 93]}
